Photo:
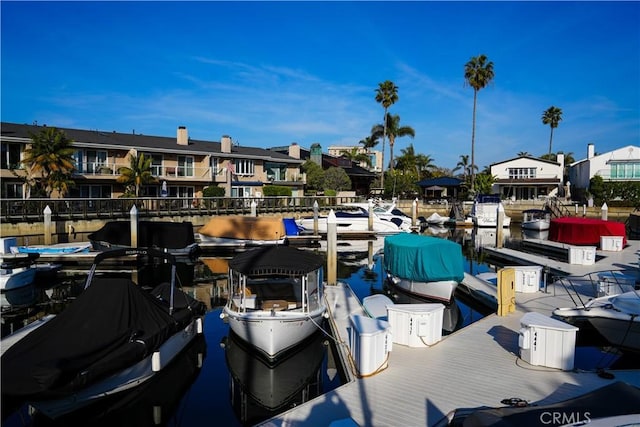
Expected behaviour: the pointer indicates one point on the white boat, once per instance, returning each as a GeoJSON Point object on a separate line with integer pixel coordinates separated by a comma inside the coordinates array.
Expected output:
{"type": "Point", "coordinates": [247, 230]}
{"type": "Point", "coordinates": [424, 266]}
{"type": "Point", "coordinates": [484, 212]}
{"type": "Point", "coordinates": [437, 219]}
{"type": "Point", "coordinates": [17, 271]}
{"type": "Point", "coordinates": [616, 318]}
{"type": "Point", "coordinates": [354, 222]}
{"type": "Point", "coordinates": [536, 219]}
{"type": "Point", "coordinates": [275, 297]}
{"type": "Point", "coordinates": [113, 337]}
{"type": "Point", "coordinates": [389, 212]}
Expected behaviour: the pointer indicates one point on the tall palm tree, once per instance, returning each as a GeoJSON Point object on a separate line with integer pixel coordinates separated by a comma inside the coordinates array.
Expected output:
{"type": "Point", "coordinates": [552, 117]}
{"type": "Point", "coordinates": [137, 173]}
{"type": "Point", "coordinates": [424, 164]}
{"type": "Point", "coordinates": [386, 95]}
{"type": "Point", "coordinates": [464, 165]}
{"type": "Point", "coordinates": [478, 72]}
{"type": "Point", "coordinates": [368, 143]}
{"type": "Point", "coordinates": [50, 157]}
{"type": "Point", "coordinates": [524, 154]}
{"type": "Point", "coordinates": [393, 130]}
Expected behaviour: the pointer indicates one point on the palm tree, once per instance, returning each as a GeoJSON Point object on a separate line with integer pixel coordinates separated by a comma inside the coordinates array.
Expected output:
{"type": "Point", "coordinates": [552, 117]}
{"type": "Point", "coordinates": [393, 130]}
{"type": "Point", "coordinates": [424, 164]}
{"type": "Point", "coordinates": [51, 157]}
{"type": "Point", "coordinates": [357, 156]}
{"type": "Point", "coordinates": [137, 173]}
{"type": "Point", "coordinates": [478, 72]}
{"type": "Point", "coordinates": [464, 165]}
{"type": "Point", "coordinates": [386, 95]}
{"type": "Point", "coordinates": [524, 154]}
{"type": "Point", "coordinates": [368, 143]}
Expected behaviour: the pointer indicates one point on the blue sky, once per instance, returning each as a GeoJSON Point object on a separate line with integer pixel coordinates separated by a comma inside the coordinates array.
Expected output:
{"type": "Point", "coordinates": [271, 73]}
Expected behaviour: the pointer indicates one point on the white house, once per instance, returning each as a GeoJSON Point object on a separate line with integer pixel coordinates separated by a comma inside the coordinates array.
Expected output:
{"type": "Point", "coordinates": [527, 177]}
{"type": "Point", "coordinates": [622, 164]}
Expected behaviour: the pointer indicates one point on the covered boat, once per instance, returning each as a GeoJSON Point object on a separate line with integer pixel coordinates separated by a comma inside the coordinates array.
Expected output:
{"type": "Point", "coordinates": [247, 230]}
{"type": "Point", "coordinates": [425, 266]}
{"type": "Point", "coordinates": [484, 211]}
{"type": "Point", "coordinates": [176, 237]}
{"type": "Point", "coordinates": [113, 337]}
{"type": "Point", "coordinates": [275, 297]}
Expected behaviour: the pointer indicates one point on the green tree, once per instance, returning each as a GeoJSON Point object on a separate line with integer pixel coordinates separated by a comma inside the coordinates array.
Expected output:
{"type": "Point", "coordinates": [393, 130]}
{"type": "Point", "coordinates": [386, 95]}
{"type": "Point", "coordinates": [336, 179]}
{"type": "Point", "coordinates": [478, 73]}
{"type": "Point", "coordinates": [50, 161]}
{"type": "Point", "coordinates": [425, 165]}
{"type": "Point", "coordinates": [315, 175]}
{"type": "Point", "coordinates": [552, 117]}
{"type": "Point", "coordinates": [484, 183]}
{"type": "Point", "coordinates": [464, 165]}
{"type": "Point", "coordinates": [137, 174]}
{"type": "Point", "coordinates": [356, 156]}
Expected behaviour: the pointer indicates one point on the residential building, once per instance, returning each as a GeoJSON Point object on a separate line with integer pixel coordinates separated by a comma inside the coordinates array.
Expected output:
{"type": "Point", "coordinates": [182, 166]}
{"type": "Point", "coordinates": [527, 177]}
{"type": "Point", "coordinates": [622, 164]}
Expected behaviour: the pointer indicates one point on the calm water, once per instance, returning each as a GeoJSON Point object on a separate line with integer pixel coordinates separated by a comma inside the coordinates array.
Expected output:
{"type": "Point", "coordinates": [232, 387]}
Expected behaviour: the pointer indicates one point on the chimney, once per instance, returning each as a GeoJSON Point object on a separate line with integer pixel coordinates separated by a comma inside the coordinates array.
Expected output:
{"type": "Point", "coordinates": [294, 150]}
{"type": "Point", "coordinates": [591, 151]}
{"type": "Point", "coordinates": [225, 144]}
{"type": "Point", "coordinates": [183, 136]}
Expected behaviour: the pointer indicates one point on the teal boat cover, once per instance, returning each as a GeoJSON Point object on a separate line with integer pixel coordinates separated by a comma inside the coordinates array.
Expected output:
{"type": "Point", "coordinates": [423, 258]}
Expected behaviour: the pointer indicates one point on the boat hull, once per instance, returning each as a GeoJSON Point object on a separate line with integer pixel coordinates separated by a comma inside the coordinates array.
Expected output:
{"type": "Point", "coordinates": [17, 278]}
{"type": "Point", "coordinates": [441, 290]}
{"type": "Point", "coordinates": [274, 332]}
{"type": "Point", "coordinates": [351, 225]}
{"type": "Point", "coordinates": [536, 225]}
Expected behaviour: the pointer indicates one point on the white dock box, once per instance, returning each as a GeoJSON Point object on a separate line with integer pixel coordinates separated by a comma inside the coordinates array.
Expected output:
{"type": "Point", "coordinates": [547, 342]}
{"type": "Point", "coordinates": [416, 325]}
{"type": "Point", "coordinates": [528, 278]}
{"type": "Point", "coordinates": [7, 242]}
{"type": "Point", "coordinates": [582, 255]}
{"type": "Point", "coordinates": [615, 282]}
{"type": "Point", "coordinates": [611, 243]}
{"type": "Point", "coordinates": [370, 343]}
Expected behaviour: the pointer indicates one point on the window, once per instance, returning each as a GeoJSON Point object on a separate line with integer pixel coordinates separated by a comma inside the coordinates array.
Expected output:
{"type": "Point", "coordinates": [522, 173]}
{"type": "Point", "coordinates": [626, 170]}
{"type": "Point", "coordinates": [95, 160]}
{"type": "Point", "coordinates": [275, 171]}
{"type": "Point", "coordinates": [10, 156]}
{"type": "Point", "coordinates": [185, 166]}
{"type": "Point", "coordinates": [156, 164]}
{"type": "Point", "coordinates": [91, 192]}
{"type": "Point", "coordinates": [12, 190]}
{"type": "Point", "coordinates": [244, 167]}
{"type": "Point", "coordinates": [215, 168]}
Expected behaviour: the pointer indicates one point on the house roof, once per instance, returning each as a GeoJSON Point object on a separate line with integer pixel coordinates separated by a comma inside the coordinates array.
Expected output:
{"type": "Point", "coordinates": [536, 159]}
{"type": "Point", "coordinates": [443, 181]}
{"type": "Point", "coordinates": [116, 140]}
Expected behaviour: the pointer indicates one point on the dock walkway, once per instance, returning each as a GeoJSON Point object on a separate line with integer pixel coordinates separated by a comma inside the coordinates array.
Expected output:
{"type": "Point", "coordinates": [475, 366]}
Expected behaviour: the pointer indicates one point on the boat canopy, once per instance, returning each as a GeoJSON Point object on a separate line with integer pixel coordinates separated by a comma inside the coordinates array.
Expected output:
{"type": "Point", "coordinates": [423, 258]}
{"type": "Point", "coordinates": [162, 234]}
{"type": "Point", "coordinates": [276, 261]}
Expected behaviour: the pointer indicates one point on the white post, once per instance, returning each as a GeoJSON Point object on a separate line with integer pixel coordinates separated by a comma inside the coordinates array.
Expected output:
{"type": "Point", "coordinates": [370, 223]}
{"type": "Point", "coordinates": [47, 225]}
{"type": "Point", "coordinates": [332, 249]}
{"type": "Point", "coordinates": [133, 216]}
{"type": "Point", "coordinates": [576, 209]}
{"type": "Point", "coordinates": [584, 210]}
{"type": "Point", "coordinates": [254, 208]}
{"type": "Point", "coordinates": [414, 213]}
{"type": "Point", "coordinates": [499, 225]}
{"type": "Point", "coordinates": [315, 218]}
{"type": "Point", "coordinates": [604, 211]}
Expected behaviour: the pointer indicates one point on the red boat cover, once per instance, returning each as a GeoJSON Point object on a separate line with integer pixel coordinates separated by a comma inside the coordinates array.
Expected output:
{"type": "Point", "coordinates": [584, 231]}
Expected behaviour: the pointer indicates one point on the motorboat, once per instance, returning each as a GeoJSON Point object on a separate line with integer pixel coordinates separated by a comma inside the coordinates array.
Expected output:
{"type": "Point", "coordinates": [424, 266]}
{"type": "Point", "coordinates": [260, 389]}
{"type": "Point", "coordinates": [176, 238]}
{"type": "Point", "coordinates": [388, 211]}
{"type": "Point", "coordinates": [275, 297]}
{"type": "Point", "coordinates": [247, 230]}
{"type": "Point", "coordinates": [355, 221]}
{"type": "Point", "coordinates": [614, 404]}
{"type": "Point", "coordinates": [616, 318]}
{"type": "Point", "coordinates": [484, 212]}
{"type": "Point", "coordinates": [115, 336]}
{"type": "Point", "coordinates": [13, 277]}
{"type": "Point", "coordinates": [54, 249]}
{"type": "Point", "coordinates": [536, 219]}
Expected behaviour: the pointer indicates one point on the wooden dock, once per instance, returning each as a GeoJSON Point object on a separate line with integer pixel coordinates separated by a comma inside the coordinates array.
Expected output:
{"type": "Point", "coordinates": [478, 365]}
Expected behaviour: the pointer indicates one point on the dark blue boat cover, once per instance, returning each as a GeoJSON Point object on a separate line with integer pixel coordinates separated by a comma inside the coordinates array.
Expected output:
{"type": "Point", "coordinates": [423, 258]}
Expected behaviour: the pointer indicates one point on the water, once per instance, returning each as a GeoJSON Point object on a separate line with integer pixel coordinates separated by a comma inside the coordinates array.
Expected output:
{"type": "Point", "coordinates": [232, 387]}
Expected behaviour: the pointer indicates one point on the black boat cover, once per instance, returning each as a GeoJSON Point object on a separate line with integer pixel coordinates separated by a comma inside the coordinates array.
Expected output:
{"type": "Point", "coordinates": [618, 398]}
{"type": "Point", "coordinates": [160, 234]}
{"type": "Point", "coordinates": [113, 324]}
{"type": "Point", "coordinates": [276, 261]}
